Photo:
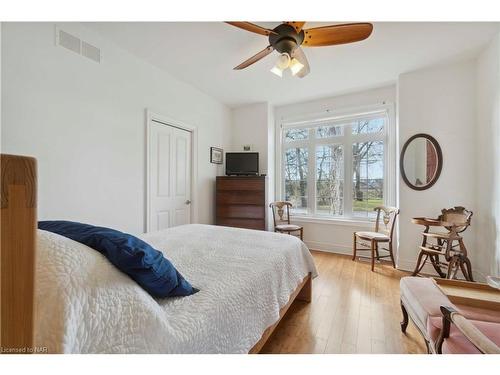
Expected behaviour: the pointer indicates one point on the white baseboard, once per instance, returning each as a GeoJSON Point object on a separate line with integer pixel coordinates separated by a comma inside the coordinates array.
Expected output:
{"type": "Point", "coordinates": [409, 265]}
{"type": "Point", "coordinates": [329, 247]}
{"type": "Point", "coordinates": [403, 265]}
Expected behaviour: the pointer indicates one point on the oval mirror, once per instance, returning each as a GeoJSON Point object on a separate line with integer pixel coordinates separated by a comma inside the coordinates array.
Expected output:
{"type": "Point", "coordinates": [421, 161]}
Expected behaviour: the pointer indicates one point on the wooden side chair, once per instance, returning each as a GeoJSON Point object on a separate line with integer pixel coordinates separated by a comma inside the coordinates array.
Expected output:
{"type": "Point", "coordinates": [383, 234]}
{"type": "Point", "coordinates": [445, 249]}
{"type": "Point", "coordinates": [281, 218]}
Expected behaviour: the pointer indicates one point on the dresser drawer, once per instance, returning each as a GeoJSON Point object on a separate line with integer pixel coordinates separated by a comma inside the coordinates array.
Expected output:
{"type": "Point", "coordinates": [235, 183]}
{"type": "Point", "coordinates": [243, 223]}
{"type": "Point", "coordinates": [241, 211]}
{"type": "Point", "coordinates": [240, 197]}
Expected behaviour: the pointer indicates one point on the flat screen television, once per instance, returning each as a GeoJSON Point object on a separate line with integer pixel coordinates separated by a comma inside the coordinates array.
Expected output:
{"type": "Point", "coordinates": [242, 163]}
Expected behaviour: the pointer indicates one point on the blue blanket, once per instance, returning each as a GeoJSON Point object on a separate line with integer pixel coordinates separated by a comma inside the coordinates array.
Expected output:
{"type": "Point", "coordinates": [144, 264]}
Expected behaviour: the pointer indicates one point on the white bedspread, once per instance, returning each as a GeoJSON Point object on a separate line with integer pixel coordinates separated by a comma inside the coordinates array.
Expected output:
{"type": "Point", "coordinates": [85, 305]}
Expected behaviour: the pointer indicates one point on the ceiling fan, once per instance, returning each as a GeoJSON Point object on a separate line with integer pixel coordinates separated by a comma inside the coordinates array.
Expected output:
{"type": "Point", "coordinates": [288, 38]}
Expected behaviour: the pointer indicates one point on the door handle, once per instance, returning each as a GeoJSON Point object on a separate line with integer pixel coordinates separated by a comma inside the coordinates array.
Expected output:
{"type": "Point", "coordinates": [188, 202]}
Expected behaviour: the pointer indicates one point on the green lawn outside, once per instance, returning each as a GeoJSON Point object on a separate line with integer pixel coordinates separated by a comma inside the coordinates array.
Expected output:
{"type": "Point", "coordinates": [359, 206]}
{"type": "Point", "coordinates": [367, 205]}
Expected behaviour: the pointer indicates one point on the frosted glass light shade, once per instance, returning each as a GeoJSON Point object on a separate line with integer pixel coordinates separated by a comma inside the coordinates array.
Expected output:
{"type": "Point", "coordinates": [295, 66]}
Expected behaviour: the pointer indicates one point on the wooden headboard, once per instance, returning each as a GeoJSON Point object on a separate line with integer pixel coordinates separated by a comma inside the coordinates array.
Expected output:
{"type": "Point", "coordinates": [17, 252]}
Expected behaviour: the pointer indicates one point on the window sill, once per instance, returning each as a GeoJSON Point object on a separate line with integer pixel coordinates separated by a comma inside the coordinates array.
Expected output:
{"type": "Point", "coordinates": [333, 221]}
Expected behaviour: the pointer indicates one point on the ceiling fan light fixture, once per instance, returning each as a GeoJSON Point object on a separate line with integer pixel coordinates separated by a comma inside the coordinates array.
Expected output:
{"type": "Point", "coordinates": [288, 38]}
{"type": "Point", "coordinates": [282, 63]}
{"type": "Point", "coordinates": [278, 71]}
{"type": "Point", "coordinates": [295, 66]}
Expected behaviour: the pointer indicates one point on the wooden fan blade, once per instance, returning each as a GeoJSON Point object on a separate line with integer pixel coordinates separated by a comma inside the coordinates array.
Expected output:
{"type": "Point", "coordinates": [299, 54]}
{"type": "Point", "coordinates": [297, 25]}
{"type": "Point", "coordinates": [248, 26]}
{"type": "Point", "coordinates": [266, 51]}
{"type": "Point", "coordinates": [336, 34]}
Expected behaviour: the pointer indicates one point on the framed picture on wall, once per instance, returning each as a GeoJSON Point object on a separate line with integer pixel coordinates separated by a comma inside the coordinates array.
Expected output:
{"type": "Point", "coordinates": [216, 155]}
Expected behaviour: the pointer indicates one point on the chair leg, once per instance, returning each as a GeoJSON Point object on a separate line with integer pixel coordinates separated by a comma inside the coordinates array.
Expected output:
{"type": "Point", "coordinates": [404, 322]}
{"type": "Point", "coordinates": [469, 268]}
{"type": "Point", "coordinates": [463, 269]}
{"type": "Point", "coordinates": [301, 234]}
{"type": "Point", "coordinates": [376, 251]}
{"type": "Point", "coordinates": [435, 263]}
{"type": "Point", "coordinates": [417, 267]}
{"type": "Point", "coordinates": [354, 247]}
{"type": "Point", "coordinates": [391, 254]}
{"type": "Point", "coordinates": [451, 266]}
{"type": "Point", "coordinates": [373, 244]}
{"type": "Point", "coordinates": [438, 262]}
{"type": "Point", "coordinates": [427, 345]}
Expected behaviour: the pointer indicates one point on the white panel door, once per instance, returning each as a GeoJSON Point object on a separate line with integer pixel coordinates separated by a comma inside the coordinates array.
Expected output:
{"type": "Point", "coordinates": [169, 177]}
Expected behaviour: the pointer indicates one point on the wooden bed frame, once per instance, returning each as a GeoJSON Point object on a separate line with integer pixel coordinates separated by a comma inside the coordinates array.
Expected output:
{"type": "Point", "coordinates": [17, 253]}
{"type": "Point", "coordinates": [303, 292]}
{"type": "Point", "coordinates": [17, 258]}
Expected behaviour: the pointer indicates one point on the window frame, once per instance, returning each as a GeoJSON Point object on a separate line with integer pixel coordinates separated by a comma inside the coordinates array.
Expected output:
{"type": "Point", "coordinates": [330, 117]}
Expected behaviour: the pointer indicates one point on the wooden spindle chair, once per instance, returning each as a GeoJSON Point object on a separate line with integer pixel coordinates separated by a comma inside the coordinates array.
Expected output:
{"type": "Point", "coordinates": [383, 234]}
{"type": "Point", "coordinates": [281, 218]}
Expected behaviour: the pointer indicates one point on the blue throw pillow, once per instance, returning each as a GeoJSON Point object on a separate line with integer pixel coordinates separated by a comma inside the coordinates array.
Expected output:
{"type": "Point", "coordinates": [144, 264]}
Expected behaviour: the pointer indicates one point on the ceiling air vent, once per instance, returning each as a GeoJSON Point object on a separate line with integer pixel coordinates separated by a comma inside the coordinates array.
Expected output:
{"type": "Point", "coordinates": [93, 53]}
{"type": "Point", "coordinates": [68, 41]}
{"type": "Point", "coordinates": [77, 45]}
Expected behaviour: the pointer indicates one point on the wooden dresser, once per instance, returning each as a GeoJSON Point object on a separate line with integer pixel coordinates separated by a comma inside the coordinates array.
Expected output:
{"type": "Point", "coordinates": [241, 202]}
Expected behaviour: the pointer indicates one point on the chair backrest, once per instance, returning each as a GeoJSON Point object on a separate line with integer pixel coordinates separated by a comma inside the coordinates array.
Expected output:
{"type": "Point", "coordinates": [386, 218]}
{"type": "Point", "coordinates": [281, 212]}
{"type": "Point", "coordinates": [458, 215]}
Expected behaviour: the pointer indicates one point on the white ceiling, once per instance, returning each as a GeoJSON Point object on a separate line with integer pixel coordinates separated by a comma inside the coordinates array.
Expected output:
{"type": "Point", "coordinates": [204, 53]}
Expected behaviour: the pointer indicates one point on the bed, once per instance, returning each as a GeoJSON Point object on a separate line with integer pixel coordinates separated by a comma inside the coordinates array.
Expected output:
{"type": "Point", "coordinates": [78, 302]}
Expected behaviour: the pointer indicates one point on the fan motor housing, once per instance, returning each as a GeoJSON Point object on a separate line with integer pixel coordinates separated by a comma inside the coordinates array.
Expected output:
{"type": "Point", "coordinates": [287, 39]}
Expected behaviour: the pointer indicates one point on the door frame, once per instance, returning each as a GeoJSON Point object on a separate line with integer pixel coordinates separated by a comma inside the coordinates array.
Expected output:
{"type": "Point", "coordinates": [168, 121]}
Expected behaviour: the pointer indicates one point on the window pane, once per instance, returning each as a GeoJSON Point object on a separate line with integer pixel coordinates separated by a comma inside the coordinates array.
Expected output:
{"type": "Point", "coordinates": [296, 134]}
{"type": "Point", "coordinates": [375, 125]}
{"type": "Point", "coordinates": [296, 178]}
{"type": "Point", "coordinates": [368, 177]}
{"type": "Point", "coordinates": [330, 180]}
{"type": "Point", "coordinates": [329, 131]}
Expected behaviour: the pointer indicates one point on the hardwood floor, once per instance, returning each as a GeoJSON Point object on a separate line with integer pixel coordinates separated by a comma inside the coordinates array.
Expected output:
{"type": "Point", "coordinates": [353, 310]}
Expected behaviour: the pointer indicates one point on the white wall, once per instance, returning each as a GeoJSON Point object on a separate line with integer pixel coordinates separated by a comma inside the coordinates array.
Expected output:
{"type": "Point", "coordinates": [253, 125]}
{"type": "Point", "coordinates": [85, 123]}
{"type": "Point", "coordinates": [271, 163]}
{"type": "Point", "coordinates": [440, 101]}
{"type": "Point", "coordinates": [250, 127]}
{"type": "Point", "coordinates": [334, 235]}
{"type": "Point", "coordinates": [487, 219]}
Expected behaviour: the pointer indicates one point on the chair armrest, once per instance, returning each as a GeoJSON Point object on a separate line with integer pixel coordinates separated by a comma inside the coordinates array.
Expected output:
{"type": "Point", "coordinates": [469, 330]}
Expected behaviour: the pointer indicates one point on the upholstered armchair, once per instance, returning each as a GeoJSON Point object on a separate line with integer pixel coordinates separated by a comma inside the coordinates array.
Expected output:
{"type": "Point", "coordinates": [461, 335]}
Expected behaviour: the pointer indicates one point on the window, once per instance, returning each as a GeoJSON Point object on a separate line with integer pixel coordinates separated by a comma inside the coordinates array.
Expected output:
{"type": "Point", "coordinates": [296, 168]}
{"type": "Point", "coordinates": [330, 179]}
{"type": "Point", "coordinates": [336, 167]}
